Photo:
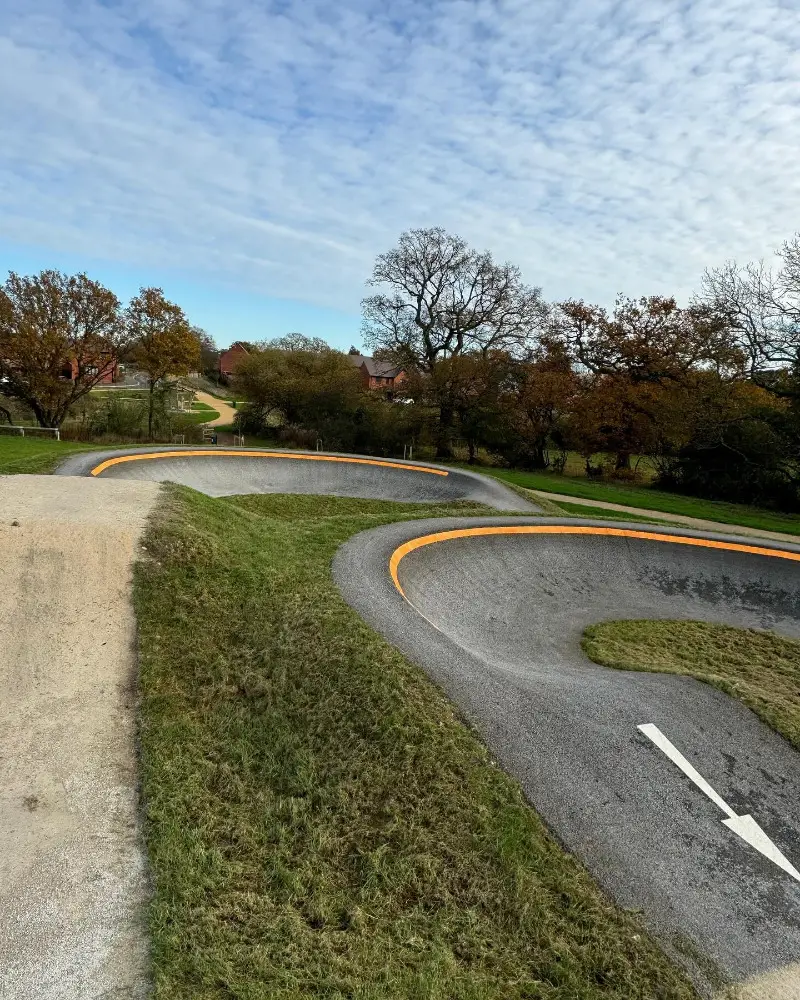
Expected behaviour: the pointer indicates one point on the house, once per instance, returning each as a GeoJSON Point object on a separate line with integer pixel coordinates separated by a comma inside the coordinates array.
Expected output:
{"type": "Point", "coordinates": [228, 360]}
{"type": "Point", "coordinates": [377, 374]}
{"type": "Point", "coordinates": [105, 366]}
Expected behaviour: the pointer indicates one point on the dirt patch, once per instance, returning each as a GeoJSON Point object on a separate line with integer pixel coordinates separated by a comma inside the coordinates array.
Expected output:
{"type": "Point", "coordinates": [72, 875]}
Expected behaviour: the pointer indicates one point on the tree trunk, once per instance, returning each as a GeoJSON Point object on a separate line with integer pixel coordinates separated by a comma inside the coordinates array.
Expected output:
{"type": "Point", "coordinates": [623, 460]}
{"type": "Point", "coordinates": [472, 448]}
{"type": "Point", "coordinates": [150, 401]}
{"type": "Point", "coordinates": [45, 417]}
{"type": "Point", "coordinates": [444, 438]}
{"type": "Point", "coordinates": [540, 458]}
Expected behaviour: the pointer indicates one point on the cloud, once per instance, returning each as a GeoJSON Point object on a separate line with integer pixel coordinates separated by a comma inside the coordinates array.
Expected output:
{"type": "Point", "coordinates": [603, 145]}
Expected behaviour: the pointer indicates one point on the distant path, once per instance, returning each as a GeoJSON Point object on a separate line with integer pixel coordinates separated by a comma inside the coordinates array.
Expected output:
{"type": "Point", "coordinates": [227, 414]}
{"type": "Point", "coordinates": [73, 886]}
{"type": "Point", "coordinates": [689, 522]}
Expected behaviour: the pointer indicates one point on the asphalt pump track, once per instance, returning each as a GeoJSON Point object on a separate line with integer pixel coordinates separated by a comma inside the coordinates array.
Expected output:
{"type": "Point", "coordinates": [233, 471]}
{"type": "Point", "coordinates": [680, 802]}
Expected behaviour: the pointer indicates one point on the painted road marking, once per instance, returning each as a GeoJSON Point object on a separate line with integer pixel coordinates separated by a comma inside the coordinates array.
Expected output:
{"type": "Point", "coordinates": [579, 529]}
{"type": "Point", "coordinates": [743, 826]}
{"type": "Point", "coordinates": [240, 453]}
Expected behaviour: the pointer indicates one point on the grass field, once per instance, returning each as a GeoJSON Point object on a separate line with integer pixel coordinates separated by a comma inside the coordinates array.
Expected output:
{"type": "Point", "coordinates": [759, 668]}
{"type": "Point", "coordinates": [647, 498]}
{"type": "Point", "coordinates": [36, 455]}
{"type": "Point", "coordinates": [319, 821]}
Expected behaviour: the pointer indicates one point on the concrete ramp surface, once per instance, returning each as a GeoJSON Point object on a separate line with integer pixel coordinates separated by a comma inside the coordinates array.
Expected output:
{"type": "Point", "coordinates": [676, 797]}
{"type": "Point", "coordinates": [230, 471]}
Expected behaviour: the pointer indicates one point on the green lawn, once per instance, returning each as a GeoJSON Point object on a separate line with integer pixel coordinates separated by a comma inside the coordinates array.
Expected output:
{"type": "Point", "coordinates": [203, 406]}
{"type": "Point", "coordinates": [320, 823]}
{"type": "Point", "coordinates": [36, 455]}
{"type": "Point", "coordinates": [760, 668]}
{"type": "Point", "coordinates": [648, 499]}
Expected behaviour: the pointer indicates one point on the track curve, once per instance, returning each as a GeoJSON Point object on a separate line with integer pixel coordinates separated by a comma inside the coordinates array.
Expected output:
{"type": "Point", "coordinates": [494, 611]}
{"type": "Point", "coordinates": [226, 472]}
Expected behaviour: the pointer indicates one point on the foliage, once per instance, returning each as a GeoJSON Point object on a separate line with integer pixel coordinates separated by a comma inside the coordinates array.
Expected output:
{"type": "Point", "coordinates": [114, 416]}
{"type": "Point", "coordinates": [317, 389]}
{"type": "Point", "coordinates": [208, 353]}
{"type": "Point", "coordinates": [164, 342]}
{"type": "Point", "coordinates": [59, 334]}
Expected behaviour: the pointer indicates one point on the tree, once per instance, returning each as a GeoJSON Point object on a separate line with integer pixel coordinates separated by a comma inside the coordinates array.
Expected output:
{"type": "Point", "coordinates": [299, 342]}
{"type": "Point", "coordinates": [209, 355]}
{"type": "Point", "coordinates": [59, 335]}
{"type": "Point", "coordinates": [644, 344]}
{"type": "Point", "coordinates": [539, 393]}
{"type": "Point", "coordinates": [443, 300]}
{"type": "Point", "coordinates": [164, 343]}
{"type": "Point", "coordinates": [318, 390]}
{"type": "Point", "coordinates": [469, 386]}
{"type": "Point", "coordinates": [762, 308]}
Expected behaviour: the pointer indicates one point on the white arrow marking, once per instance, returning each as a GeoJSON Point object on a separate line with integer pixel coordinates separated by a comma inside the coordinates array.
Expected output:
{"type": "Point", "coordinates": [743, 826]}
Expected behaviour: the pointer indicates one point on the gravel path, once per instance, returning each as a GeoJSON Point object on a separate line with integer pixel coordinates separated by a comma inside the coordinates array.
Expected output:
{"type": "Point", "coordinates": [72, 872]}
{"type": "Point", "coordinates": [227, 414]}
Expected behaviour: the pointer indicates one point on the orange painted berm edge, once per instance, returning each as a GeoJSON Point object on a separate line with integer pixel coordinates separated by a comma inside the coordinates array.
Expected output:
{"type": "Point", "coordinates": [240, 453]}
{"type": "Point", "coordinates": [578, 529]}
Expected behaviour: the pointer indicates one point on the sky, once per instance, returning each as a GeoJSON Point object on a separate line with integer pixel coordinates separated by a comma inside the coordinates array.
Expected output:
{"type": "Point", "coordinates": [253, 158]}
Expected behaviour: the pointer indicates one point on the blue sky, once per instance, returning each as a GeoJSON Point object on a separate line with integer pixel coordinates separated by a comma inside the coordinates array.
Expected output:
{"type": "Point", "coordinates": [253, 158]}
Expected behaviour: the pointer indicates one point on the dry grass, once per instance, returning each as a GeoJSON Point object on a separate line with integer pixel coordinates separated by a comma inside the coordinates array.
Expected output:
{"type": "Point", "coordinates": [759, 668]}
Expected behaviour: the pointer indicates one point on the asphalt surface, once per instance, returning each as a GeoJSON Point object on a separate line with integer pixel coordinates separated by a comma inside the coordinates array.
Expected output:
{"type": "Point", "coordinates": [496, 621]}
{"type": "Point", "coordinates": [217, 473]}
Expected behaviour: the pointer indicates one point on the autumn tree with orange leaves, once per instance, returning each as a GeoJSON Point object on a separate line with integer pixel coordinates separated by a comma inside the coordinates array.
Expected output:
{"type": "Point", "coordinates": [634, 354]}
{"type": "Point", "coordinates": [59, 335]}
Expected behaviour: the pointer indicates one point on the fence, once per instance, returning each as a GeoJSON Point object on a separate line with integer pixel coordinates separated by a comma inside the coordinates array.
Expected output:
{"type": "Point", "coordinates": [31, 431]}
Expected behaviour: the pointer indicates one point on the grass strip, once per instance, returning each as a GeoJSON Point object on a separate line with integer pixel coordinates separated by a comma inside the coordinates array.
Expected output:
{"type": "Point", "coordinates": [759, 668]}
{"type": "Point", "coordinates": [648, 498]}
{"type": "Point", "coordinates": [320, 823]}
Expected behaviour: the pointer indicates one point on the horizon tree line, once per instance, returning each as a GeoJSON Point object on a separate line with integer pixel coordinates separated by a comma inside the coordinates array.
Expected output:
{"type": "Point", "coordinates": [710, 391]}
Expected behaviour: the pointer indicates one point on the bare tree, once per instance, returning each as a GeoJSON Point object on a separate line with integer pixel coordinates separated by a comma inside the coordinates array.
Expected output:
{"type": "Point", "coordinates": [59, 336]}
{"type": "Point", "coordinates": [762, 306]}
{"type": "Point", "coordinates": [444, 299]}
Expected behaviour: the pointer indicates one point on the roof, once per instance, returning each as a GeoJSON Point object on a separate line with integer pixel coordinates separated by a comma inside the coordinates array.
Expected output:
{"type": "Point", "coordinates": [376, 368]}
{"type": "Point", "coordinates": [237, 345]}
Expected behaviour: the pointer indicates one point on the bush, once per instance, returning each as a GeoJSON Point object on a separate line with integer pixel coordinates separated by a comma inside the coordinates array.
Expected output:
{"type": "Point", "coordinates": [745, 465]}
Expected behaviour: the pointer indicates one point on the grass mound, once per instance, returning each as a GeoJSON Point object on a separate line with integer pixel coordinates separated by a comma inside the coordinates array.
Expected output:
{"type": "Point", "coordinates": [759, 668]}
{"type": "Point", "coordinates": [320, 823]}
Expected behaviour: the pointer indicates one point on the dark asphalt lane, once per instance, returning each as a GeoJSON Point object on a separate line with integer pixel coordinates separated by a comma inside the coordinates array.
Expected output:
{"type": "Point", "coordinates": [226, 472]}
{"type": "Point", "coordinates": [497, 622]}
